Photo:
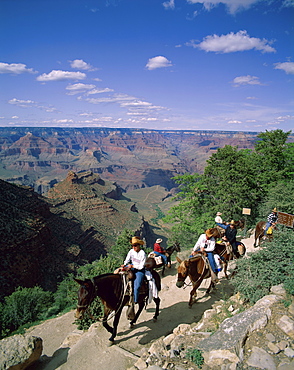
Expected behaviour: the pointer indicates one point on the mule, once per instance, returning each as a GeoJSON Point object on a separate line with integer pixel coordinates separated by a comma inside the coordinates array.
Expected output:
{"type": "Point", "coordinates": [226, 254]}
{"type": "Point", "coordinates": [197, 270]}
{"type": "Point", "coordinates": [259, 233]}
{"type": "Point", "coordinates": [114, 296]}
{"type": "Point", "coordinates": [150, 263]}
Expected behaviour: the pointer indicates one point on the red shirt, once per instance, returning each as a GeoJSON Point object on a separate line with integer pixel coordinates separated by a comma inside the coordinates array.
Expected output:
{"type": "Point", "coordinates": [157, 248]}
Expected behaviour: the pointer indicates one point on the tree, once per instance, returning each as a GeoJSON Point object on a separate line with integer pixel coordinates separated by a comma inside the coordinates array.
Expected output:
{"type": "Point", "coordinates": [189, 216]}
{"type": "Point", "coordinates": [230, 177]}
{"type": "Point", "coordinates": [271, 149]}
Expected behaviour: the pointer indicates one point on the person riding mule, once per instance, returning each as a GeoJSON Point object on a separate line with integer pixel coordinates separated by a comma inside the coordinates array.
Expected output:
{"type": "Point", "coordinates": [135, 261]}
{"type": "Point", "coordinates": [230, 237]}
{"type": "Point", "coordinates": [271, 220]}
{"type": "Point", "coordinates": [219, 221]}
{"type": "Point", "coordinates": [206, 244]}
{"type": "Point", "coordinates": [159, 250]}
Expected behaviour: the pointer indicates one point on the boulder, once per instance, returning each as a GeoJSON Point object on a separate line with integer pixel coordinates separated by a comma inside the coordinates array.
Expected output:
{"type": "Point", "coordinates": [227, 343]}
{"type": "Point", "coordinates": [19, 351]}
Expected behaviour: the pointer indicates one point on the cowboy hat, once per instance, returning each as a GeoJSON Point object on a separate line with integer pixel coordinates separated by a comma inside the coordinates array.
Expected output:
{"type": "Point", "coordinates": [232, 222]}
{"type": "Point", "coordinates": [218, 213]}
{"type": "Point", "coordinates": [274, 210]}
{"type": "Point", "coordinates": [136, 240]}
{"type": "Point", "coordinates": [210, 233]}
{"type": "Point", "coordinates": [159, 240]}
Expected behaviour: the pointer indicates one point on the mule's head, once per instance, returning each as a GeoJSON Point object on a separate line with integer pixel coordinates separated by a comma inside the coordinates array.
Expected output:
{"type": "Point", "coordinates": [182, 272]}
{"type": "Point", "coordinates": [86, 295]}
{"type": "Point", "coordinates": [177, 247]}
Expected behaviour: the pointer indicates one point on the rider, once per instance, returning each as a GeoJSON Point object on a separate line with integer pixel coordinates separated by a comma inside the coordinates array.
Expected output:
{"type": "Point", "coordinates": [135, 260]}
{"type": "Point", "coordinates": [219, 221]}
{"type": "Point", "coordinates": [206, 243]}
{"type": "Point", "coordinates": [159, 250]}
{"type": "Point", "coordinates": [271, 220]}
{"type": "Point", "coordinates": [230, 236]}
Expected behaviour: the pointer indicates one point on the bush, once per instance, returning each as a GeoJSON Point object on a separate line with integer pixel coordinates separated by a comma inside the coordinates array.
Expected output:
{"type": "Point", "coordinates": [270, 266]}
{"type": "Point", "coordinates": [195, 355]}
{"type": "Point", "coordinates": [25, 305]}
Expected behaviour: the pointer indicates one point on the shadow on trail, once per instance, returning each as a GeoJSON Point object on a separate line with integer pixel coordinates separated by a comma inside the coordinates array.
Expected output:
{"type": "Point", "coordinates": [51, 363]}
{"type": "Point", "coordinates": [174, 315]}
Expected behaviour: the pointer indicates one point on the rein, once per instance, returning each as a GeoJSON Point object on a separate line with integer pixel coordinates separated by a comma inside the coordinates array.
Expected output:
{"type": "Point", "coordinates": [191, 281]}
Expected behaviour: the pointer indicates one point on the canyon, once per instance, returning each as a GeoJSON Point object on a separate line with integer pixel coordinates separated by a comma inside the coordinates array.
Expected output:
{"type": "Point", "coordinates": [133, 158]}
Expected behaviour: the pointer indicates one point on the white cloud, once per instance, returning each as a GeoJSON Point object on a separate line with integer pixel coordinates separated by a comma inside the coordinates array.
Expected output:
{"type": "Point", "coordinates": [235, 121]}
{"type": "Point", "coordinates": [233, 5]}
{"type": "Point", "coordinates": [29, 104]}
{"type": "Point", "coordinates": [169, 4]}
{"type": "Point", "coordinates": [63, 120]}
{"type": "Point", "coordinates": [57, 75]}
{"type": "Point", "coordinates": [80, 64]}
{"type": "Point", "coordinates": [232, 42]}
{"type": "Point", "coordinates": [15, 68]}
{"type": "Point", "coordinates": [22, 103]}
{"type": "Point", "coordinates": [246, 80]}
{"type": "Point", "coordinates": [288, 67]}
{"type": "Point", "coordinates": [158, 62]}
{"type": "Point", "coordinates": [288, 3]}
{"type": "Point", "coordinates": [99, 91]}
{"type": "Point", "coordinates": [79, 88]}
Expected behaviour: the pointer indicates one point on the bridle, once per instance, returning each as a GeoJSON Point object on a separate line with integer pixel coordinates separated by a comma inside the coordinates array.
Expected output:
{"type": "Point", "coordinates": [92, 294]}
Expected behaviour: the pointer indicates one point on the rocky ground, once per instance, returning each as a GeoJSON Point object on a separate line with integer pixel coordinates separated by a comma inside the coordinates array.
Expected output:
{"type": "Point", "coordinates": [66, 348]}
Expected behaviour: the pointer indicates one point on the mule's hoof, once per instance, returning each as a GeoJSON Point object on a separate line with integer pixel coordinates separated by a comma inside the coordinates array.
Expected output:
{"type": "Point", "coordinates": [154, 319]}
{"type": "Point", "coordinates": [111, 342]}
{"type": "Point", "coordinates": [132, 325]}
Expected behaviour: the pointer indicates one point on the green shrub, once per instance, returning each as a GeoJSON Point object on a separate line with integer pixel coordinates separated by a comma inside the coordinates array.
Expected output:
{"type": "Point", "coordinates": [25, 305]}
{"type": "Point", "coordinates": [195, 355]}
{"type": "Point", "coordinates": [270, 266]}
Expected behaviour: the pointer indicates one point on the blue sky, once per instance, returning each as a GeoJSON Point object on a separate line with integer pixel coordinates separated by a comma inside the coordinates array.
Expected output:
{"type": "Point", "coordinates": [175, 64]}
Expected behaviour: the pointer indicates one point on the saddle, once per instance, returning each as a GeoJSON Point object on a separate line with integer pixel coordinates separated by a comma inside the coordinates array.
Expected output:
{"type": "Point", "coordinates": [129, 273]}
{"type": "Point", "coordinates": [158, 259]}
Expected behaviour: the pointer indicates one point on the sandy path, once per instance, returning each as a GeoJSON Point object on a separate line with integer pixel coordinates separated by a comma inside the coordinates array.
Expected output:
{"type": "Point", "coordinates": [89, 350]}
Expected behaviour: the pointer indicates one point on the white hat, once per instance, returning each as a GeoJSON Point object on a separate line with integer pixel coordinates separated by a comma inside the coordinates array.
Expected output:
{"type": "Point", "coordinates": [159, 240]}
{"type": "Point", "coordinates": [219, 214]}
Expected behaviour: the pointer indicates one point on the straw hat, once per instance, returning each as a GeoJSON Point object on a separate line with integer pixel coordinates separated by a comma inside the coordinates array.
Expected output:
{"type": "Point", "coordinates": [136, 240]}
{"type": "Point", "coordinates": [159, 240]}
{"type": "Point", "coordinates": [274, 210]}
{"type": "Point", "coordinates": [210, 233]}
{"type": "Point", "coordinates": [218, 213]}
{"type": "Point", "coordinates": [232, 222]}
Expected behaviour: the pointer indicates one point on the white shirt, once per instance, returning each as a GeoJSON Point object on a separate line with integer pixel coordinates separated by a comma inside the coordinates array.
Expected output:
{"type": "Point", "coordinates": [137, 259]}
{"type": "Point", "coordinates": [218, 220]}
{"type": "Point", "coordinates": [208, 244]}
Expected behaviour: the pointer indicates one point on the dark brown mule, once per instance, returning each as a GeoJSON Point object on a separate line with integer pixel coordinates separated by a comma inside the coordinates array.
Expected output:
{"type": "Point", "coordinates": [150, 263]}
{"type": "Point", "coordinates": [110, 289]}
{"type": "Point", "coordinates": [197, 270]}
{"type": "Point", "coordinates": [259, 233]}
{"type": "Point", "coordinates": [227, 255]}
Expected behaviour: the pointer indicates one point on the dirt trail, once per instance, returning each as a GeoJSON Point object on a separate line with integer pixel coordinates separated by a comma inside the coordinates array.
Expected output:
{"type": "Point", "coordinates": [67, 348]}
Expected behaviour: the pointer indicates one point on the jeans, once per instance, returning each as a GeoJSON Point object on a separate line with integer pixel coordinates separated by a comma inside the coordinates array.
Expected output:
{"type": "Point", "coordinates": [139, 276]}
{"type": "Point", "coordinates": [223, 226]}
{"type": "Point", "coordinates": [161, 255]}
{"type": "Point", "coordinates": [268, 224]}
{"type": "Point", "coordinates": [211, 260]}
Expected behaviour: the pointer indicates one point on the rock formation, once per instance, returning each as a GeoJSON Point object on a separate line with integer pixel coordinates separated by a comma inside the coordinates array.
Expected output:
{"type": "Point", "coordinates": [19, 352]}
{"type": "Point", "coordinates": [134, 158]}
{"type": "Point", "coordinates": [43, 239]}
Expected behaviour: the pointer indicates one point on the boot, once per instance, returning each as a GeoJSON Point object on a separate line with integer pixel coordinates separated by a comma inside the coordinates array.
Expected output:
{"type": "Point", "coordinates": [214, 277]}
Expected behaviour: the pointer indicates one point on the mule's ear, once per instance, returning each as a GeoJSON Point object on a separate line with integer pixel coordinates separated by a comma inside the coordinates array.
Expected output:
{"type": "Point", "coordinates": [178, 259]}
{"type": "Point", "coordinates": [79, 281]}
